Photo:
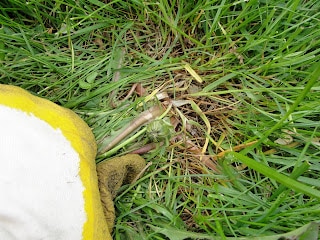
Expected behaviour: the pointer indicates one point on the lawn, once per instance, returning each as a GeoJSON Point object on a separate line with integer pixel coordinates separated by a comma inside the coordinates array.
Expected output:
{"type": "Point", "coordinates": [223, 100]}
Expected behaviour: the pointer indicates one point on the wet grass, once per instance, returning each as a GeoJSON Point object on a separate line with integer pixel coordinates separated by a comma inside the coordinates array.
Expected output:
{"type": "Point", "coordinates": [232, 75]}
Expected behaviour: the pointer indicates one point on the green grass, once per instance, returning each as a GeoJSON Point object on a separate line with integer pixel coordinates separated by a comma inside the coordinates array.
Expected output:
{"type": "Point", "coordinates": [255, 81]}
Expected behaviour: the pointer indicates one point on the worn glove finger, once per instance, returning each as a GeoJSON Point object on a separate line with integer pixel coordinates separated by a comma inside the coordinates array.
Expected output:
{"type": "Point", "coordinates": [112, 174]}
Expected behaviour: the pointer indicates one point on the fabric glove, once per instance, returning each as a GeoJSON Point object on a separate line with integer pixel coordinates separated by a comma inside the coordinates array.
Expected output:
{"type": "Point", "coordinates": [48, 178]}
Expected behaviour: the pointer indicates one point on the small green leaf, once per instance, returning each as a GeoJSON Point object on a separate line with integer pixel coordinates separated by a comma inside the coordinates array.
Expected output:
{"type": "Point", "coordinates": [84, 85]}
{"type": "Point", "coordinates": [91, 77]}
{"type": "Point", "coordinates": [88, 83]}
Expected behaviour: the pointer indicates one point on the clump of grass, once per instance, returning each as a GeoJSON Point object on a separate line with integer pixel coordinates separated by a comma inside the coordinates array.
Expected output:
{"type": "Point", "coordinates": [236, 75]}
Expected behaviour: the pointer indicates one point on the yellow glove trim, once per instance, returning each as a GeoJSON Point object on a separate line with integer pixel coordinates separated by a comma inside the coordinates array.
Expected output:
{"type": "Point", "coordinates": [81, 139]}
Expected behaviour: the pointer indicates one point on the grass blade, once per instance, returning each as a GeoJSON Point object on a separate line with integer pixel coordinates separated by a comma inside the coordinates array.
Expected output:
{"type": "Point", "coordinates": [273, 174]}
